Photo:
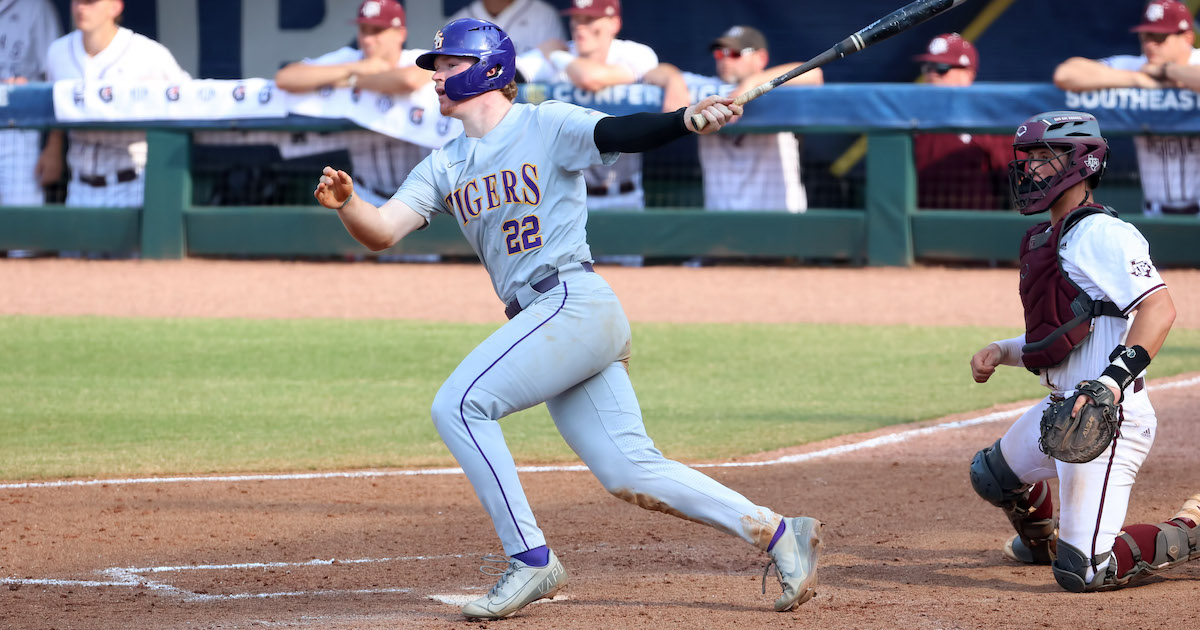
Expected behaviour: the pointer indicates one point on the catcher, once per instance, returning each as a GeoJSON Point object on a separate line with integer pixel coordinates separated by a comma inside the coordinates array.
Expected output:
{"type": "Point", "coordinates": [1096, 314]}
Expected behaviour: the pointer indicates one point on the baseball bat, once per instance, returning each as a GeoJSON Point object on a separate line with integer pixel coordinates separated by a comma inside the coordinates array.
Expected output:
{"type": "Point", "coordinates": [899, 20]}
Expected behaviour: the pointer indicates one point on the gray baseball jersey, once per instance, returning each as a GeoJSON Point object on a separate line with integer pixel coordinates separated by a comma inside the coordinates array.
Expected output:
{"type": "Point", "coordinates": [26, 29]}
{"type": "Point", "coordinates": [517, 193]}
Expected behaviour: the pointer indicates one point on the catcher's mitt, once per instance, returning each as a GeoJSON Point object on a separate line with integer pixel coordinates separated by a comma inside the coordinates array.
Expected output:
{"type": "Point", "coordinates": [1082, 438]}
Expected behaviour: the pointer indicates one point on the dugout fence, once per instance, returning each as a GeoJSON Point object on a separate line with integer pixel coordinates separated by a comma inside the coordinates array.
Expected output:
{"type": "Point", "coordinates": [212, 190]}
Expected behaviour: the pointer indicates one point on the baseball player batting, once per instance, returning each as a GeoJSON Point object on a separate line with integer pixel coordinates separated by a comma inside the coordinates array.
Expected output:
{"type": "Point", "coordinates": [1096, 314]}
{"type": "Point", "coordinates": [513, 181]}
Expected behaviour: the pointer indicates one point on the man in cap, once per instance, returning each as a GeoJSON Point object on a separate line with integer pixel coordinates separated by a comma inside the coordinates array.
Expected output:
{"type": "Point", "coordinates": [1169, 165]}
{"type": "Point", "coordinates": [379, 64]}
{"type": "Point", "coordinates": [958, 170]}
{"type": "Point", "coordinates": [593, 60]}
{"type": "Point", "coordinates": [749, 171]}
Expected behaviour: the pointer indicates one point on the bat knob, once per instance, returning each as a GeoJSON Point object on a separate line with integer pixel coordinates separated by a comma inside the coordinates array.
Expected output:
{"type": "Point", "coordinates": [699, 121]}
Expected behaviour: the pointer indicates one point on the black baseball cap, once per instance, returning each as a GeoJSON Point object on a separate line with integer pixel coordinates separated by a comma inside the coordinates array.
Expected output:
{"type": "Point", "coordinates": [740, 37]}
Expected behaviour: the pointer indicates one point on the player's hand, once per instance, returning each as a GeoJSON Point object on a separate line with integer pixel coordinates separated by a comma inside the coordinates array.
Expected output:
{"type": "Point", "coordinates": [1145, 78]}
{"type": "Point", "coordinates": [984, 363]}
{"type": "Point", "coordinates": [49, 167]}
{"type": "Point", "coordinates": [717, 110]}
{"type": "Point", "coordinates": [16, 81]}
{"type": "Point", "coordinates": [334, 188]}
{"type": "Point", "coordinates": [1087, 400]}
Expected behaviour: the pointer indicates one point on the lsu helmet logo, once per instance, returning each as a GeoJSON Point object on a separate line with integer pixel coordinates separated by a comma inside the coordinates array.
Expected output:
{"type": "Point", "coordinates": [437, 41]}
{"type": "Point", "coordinates": [239, 92]}
{"type": "Point", "coordinates": [106, 94]}
{"type": "Point", "coordinates": [173, 93]}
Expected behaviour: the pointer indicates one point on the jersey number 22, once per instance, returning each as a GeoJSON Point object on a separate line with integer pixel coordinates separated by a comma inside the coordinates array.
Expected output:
{"type": "Point", "coordinates": [522, 235]}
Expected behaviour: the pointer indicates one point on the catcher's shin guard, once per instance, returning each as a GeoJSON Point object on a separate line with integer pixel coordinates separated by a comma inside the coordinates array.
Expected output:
{"type": "Point", "coordinates": [1028, 506]}
{"type": "Point", "coordinates": [1071, 567]}
{"type": "Point", "coordinates": [1174, 544]}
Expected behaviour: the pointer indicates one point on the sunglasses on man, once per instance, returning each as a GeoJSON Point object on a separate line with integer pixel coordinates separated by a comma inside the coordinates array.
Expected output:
{"type": "Point", "coordinates": [939, 69]}
{"type": "Point", "coordinates": [729, 53]}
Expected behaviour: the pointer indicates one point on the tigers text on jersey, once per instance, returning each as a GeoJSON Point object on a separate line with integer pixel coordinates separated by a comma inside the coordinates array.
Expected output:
{"type": "Point", "coordinates": [517, 192]}
{"type": "Point", "coordinates": [609, 187]}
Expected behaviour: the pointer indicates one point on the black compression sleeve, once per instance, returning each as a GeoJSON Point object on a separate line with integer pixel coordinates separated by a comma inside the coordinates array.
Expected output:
{"type": "Point", "coordinates": [639, 132]}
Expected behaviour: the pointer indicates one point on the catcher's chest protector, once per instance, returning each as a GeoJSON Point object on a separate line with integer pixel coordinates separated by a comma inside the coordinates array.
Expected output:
{"type": "Point", "coordinates": [1058, 314]}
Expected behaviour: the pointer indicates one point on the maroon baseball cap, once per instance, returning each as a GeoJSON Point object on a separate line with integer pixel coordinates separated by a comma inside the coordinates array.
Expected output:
{"type": "Point", "coordinates": [952, 49]}
{"type": "Point", "coordinates": [385, 13]}
{"type": "Point", "coordinates": [594, 8]}
{"type": "Point", "coordinates": [1164, 16]}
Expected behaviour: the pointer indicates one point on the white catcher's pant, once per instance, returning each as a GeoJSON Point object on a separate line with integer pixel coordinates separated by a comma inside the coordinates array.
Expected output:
{"type": "Point", "coordinates": [1093, 497]}
{"type": "Point", "coordinates": [566, 349]}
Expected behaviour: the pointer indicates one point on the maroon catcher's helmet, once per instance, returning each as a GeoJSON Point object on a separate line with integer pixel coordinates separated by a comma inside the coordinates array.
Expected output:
{"type": "Point", "coordinates": [1080, 153]}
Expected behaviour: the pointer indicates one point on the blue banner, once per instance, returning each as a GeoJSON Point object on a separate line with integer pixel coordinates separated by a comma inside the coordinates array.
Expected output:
{"type": "Point", "coordinates": [983, 107]}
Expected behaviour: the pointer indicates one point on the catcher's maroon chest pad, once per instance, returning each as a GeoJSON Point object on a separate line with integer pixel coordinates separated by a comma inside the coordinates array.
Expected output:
{"type": "Point", "coordinates": [1050, 299]}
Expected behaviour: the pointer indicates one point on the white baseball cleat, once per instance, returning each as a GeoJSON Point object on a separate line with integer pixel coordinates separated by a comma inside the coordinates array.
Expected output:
{"type": "Point", "coordinates": [519, 586]}
{"type": "Point", "coordinates": [794, 557]}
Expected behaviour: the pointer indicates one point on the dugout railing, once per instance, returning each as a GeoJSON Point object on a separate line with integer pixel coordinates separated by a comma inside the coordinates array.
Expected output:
{"type": "Point", "coordinates": [888, 229]}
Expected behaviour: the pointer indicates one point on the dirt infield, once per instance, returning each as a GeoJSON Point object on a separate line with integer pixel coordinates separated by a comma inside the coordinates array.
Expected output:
{"type": "Point", "coordinates": [909, 545]}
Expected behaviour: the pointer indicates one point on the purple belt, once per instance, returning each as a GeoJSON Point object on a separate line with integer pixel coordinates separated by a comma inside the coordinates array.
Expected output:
{"type": "Point", "coordinates": [541, 286]}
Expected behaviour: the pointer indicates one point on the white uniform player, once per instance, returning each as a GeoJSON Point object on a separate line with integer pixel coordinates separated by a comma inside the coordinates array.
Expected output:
{"type": "Point", "coordinates": [380, 162]}
{"type": "Point", "coordinates": [1169, 165]}
{"type": "Point", "coordinates": [748, 171]}
{"type": "Point", "coordinates": [605, 61]}
{"type": "Point", "coordinates": [1083, 249]}
{"type": "Point", "coordinates": [107, 167]}
{"type": "Point", "coordinates": [514, 184]}
{"type": "Point", "coordinates": [26, 29]}
{"type": "Point", "coordinates": [753, 171]}
{"type": "Point", "coordinates": [527, 22]}
{"type": "Point", "coordinates": [381, 64]}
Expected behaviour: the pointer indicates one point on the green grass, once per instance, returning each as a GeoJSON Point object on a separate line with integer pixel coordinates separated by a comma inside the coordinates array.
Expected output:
{"type": "Point", "coordinates": [88, 396]}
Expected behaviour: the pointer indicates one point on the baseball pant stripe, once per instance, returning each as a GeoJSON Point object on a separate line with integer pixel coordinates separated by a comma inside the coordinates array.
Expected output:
{"type": "Point", "coordinates": [1112, 455]}
{"type": "Point", "coordinates": [463, 418]}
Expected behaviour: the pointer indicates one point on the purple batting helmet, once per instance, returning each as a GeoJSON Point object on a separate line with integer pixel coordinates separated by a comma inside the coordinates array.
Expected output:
{"type": "Point", "coordinates": [1080, 153]}
{"type": "Point", "coordinates": [486, 42]}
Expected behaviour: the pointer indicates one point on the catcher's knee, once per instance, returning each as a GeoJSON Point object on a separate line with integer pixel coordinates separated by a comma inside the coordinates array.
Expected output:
{"type": "Point", "coordinates": [1071, 567]}
{"type": "Point", "coordinates": [993, 480]}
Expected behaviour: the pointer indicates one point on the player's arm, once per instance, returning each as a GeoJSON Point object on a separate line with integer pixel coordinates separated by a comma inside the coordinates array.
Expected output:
{"type": "Point", "coordinates": [1175, 75]}
{"type": "Point", "coordinates": [594, 76]}
{"type": "Point", "coordinates": [670, 79]}
{"type": "Point", "coordinates": [1155, 315]}
{"type": "Point", "coordinates": [812, 77]}
{"type": "Point", "coordinates": [49, 167]}
{"type": "Point", "coordinates": [640, 132]}
{"type": "Point", "coordinates": [376, 228]}
{"type": "Point", "coordinates": [306, 77]}
{"type": "Point", "coordinates": [396, 80]}
{"type": "Point", "coordinates": [1079, 74]}
{"type": "Point", "coordinates": [1001, 352]}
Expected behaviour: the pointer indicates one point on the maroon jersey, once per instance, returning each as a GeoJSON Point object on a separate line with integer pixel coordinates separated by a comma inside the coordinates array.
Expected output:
{"type": "Point", "coordinates": [967, 171]}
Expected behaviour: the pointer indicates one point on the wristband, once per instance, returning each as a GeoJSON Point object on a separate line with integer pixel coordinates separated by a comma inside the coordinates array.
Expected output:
{"type": "Point", "coordinates": [347, 201]}
{"type": "Point", "coordinates": [1127, 364]}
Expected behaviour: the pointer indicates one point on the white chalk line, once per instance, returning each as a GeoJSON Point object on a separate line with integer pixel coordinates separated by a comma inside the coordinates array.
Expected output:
{"type": "Point", "coordinates": [834, 451]}
{"type": "Point", "coordinates": [133, 576]}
